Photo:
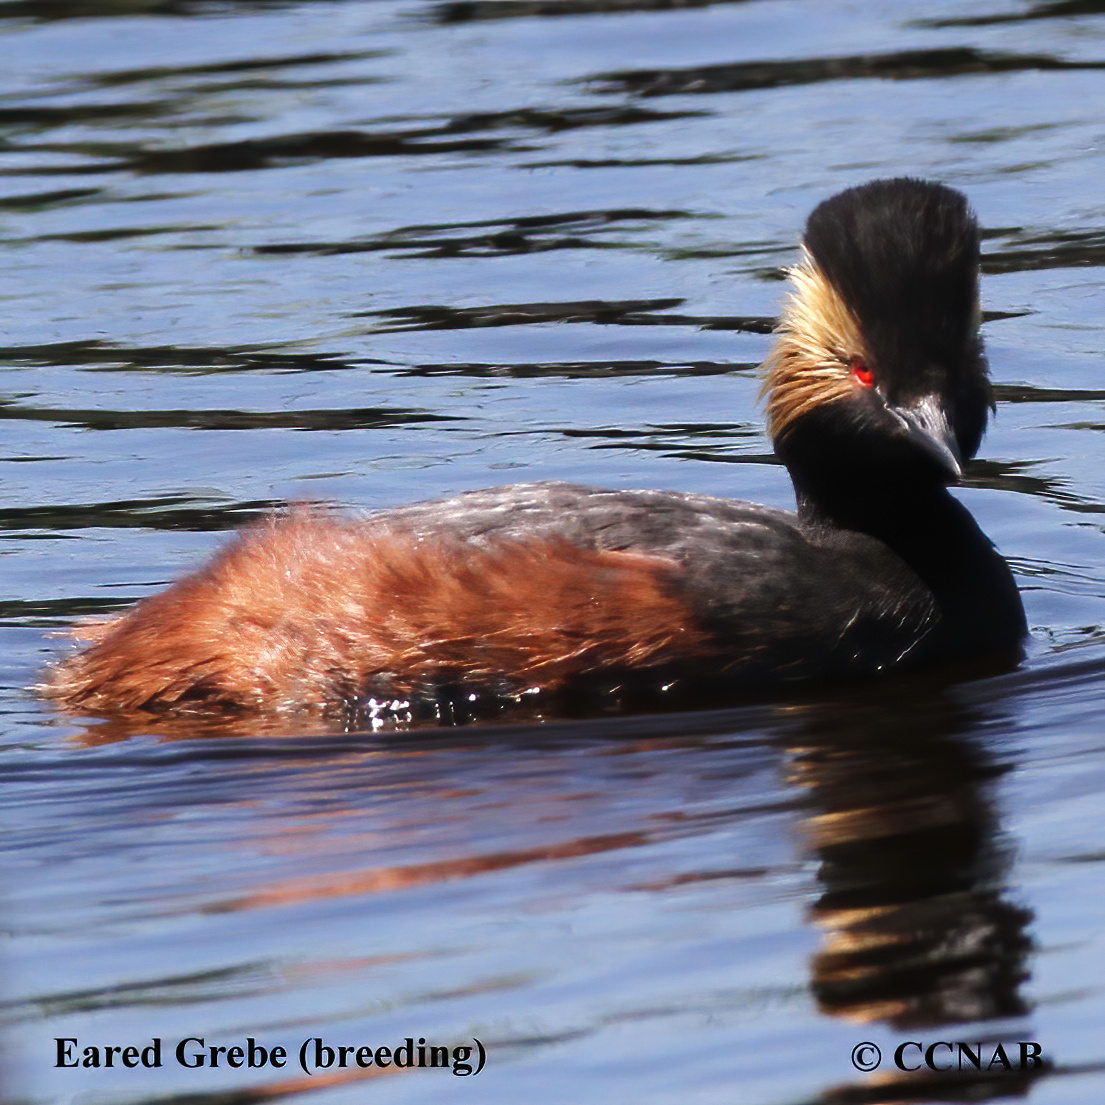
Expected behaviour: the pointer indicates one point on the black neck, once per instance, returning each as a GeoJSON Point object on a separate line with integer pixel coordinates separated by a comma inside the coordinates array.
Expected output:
{"type": "Point", "coordinates": [939, 539]}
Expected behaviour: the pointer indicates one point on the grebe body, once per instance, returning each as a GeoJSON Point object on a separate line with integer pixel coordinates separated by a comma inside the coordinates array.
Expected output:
{"type": "Point", "coordinates": [876, 389]}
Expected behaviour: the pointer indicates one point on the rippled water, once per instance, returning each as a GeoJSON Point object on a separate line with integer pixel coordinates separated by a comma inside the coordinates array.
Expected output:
{"type": "Point", "coordinates": [369, 252]}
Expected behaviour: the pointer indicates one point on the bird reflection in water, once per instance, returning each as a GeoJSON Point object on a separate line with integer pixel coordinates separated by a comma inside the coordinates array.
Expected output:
{"type": "Point", "coordinates": [919, 929]}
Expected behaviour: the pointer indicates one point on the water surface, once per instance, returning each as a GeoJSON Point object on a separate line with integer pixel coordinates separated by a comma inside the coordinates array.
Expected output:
{"type": "Point", "coordinates": [371, 252]}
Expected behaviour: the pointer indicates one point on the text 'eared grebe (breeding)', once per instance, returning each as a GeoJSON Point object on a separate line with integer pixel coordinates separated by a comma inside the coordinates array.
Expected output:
{"type": "Point", "coordinates": [876, 391]}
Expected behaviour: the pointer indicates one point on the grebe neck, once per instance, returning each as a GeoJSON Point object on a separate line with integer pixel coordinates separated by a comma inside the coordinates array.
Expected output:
{"type": "Point", "coordinates": [932, 532]}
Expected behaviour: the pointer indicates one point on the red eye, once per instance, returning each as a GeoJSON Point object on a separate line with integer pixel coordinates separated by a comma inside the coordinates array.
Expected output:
{"type": "Point", "coordinates": [863, 375]}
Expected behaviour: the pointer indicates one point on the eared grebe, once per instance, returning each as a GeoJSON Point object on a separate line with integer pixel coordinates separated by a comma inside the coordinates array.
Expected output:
{"type": "Point", "coordinates": [876, 389]}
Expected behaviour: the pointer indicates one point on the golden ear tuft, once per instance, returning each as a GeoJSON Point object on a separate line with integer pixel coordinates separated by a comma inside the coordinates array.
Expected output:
{"type": "Point", "coordinates": [818, 339]}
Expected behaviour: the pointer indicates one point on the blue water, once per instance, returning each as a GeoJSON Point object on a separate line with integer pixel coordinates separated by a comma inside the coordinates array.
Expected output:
{"type": "Point", "coordinates": [372, 252]}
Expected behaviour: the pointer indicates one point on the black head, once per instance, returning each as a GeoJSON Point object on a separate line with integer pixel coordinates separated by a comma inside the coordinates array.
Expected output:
{"type": "Point", "coordinates": [879, 361]}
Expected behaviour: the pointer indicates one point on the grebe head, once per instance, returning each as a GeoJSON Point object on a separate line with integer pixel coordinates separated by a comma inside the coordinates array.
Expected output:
{"type": "Point", "coordinates": [878, 374]}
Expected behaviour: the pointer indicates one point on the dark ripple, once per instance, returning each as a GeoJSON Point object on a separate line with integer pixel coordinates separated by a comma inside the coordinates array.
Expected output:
{"type": "Point", "coordinates": [60, 115]}
{"type": "Point", "coordinates": [160, 107]}
{"type": "Point", "coordinates": [122, 77]}
{"type": "Point", "coordinates": [1043, 679]}
{"type": "Point", "coordinates": [493, 237]}
{"type": "Point", "coordinates": [44, 116]}
{"type": "Point", "coordinates": [240, 980]}
{"type": "Point", "coordinates": [45, 201]}
{"type": "Point", "coordinates": [277, 152]}
{"type": "Point", "coordinates": [45, 613]}
{"type": "Point", "coordinates": [468, 133]}
{"type": "Point", "coordinates": [1027, 393]}
{"type": "Point", "coordinates": [1065, 579]}
{"type": "Point", "coordinates": [642, 162]}
{"type": "Point", "coordinates": [49, 11]}
{"type": "Point", "coordinates": [118, 233]}
{"type": "Point", "coordinates": [248, 154]}
{"type": "Point", "coordinates": [552, 120]}
{"type": "Point", "coordinates": [1056, 250]}
{"type": "Point", "coordinates": [629, 312]}
{"type": "Point", "coordinates": [466, 11]}
{"type": "Point", "coordinates": [901, 65]}
{"type": "Point", "coordinates": [1048, 9]}
{"type": "Point", "coordinates": [1014, 476]}
{"type": "Point", "coordinates": [160, 513]}
{"type": "Point", "coordinates": [706, 442]}
{"type": "Point", "coordinates": [170, 358]}
{"type": "Point", "coordinates": [363, 418]}
{"type": "Point", "coordinates": [581, 369]}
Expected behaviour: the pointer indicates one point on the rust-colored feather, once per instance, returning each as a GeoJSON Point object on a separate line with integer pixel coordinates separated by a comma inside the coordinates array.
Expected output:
{"type": "Point", "coordinates": [302, 612]}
